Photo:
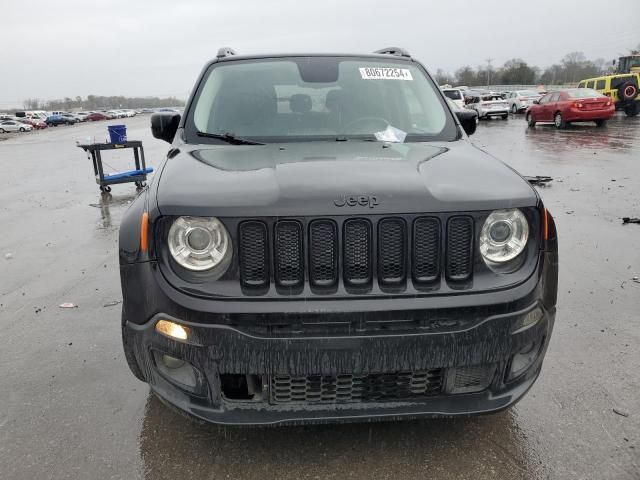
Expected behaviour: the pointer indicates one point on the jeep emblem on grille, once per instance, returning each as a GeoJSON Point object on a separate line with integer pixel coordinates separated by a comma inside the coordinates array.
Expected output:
{"type": "Point", "coordinates": [354, 200]}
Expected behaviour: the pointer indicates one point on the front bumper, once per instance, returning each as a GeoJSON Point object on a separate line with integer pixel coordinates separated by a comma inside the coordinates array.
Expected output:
{"type": "Point", "coordinates": [455, 333]}
{"type": "Point", "coordinates": [220, 351]}
{"type": "Point", "coordinates": [493, 112]}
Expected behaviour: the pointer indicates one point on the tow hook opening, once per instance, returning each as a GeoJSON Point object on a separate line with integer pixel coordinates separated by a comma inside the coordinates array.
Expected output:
{"type": "Point", "coordinates": [242, 387]}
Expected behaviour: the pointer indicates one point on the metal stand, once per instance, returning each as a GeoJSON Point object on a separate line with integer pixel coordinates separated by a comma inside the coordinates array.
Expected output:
{"type": "Point", "coordinates": [138, 176]}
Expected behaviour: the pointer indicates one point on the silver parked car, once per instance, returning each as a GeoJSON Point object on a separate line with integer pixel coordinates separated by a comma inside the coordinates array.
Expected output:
{"type": "Point", "coordinates": [14, 126]}
{"type": "Point", "coordinates": [489, 105]}
{"type": "Point", "coordinates": [455, 95]}
{"type": "Point", "coordinates": [520, 100]}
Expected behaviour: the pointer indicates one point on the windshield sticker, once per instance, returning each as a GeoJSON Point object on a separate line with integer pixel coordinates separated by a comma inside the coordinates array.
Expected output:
{"type": "Point", "coordinates": [384, 73]}
{"type": "Point", "coordinates": [391, 134]}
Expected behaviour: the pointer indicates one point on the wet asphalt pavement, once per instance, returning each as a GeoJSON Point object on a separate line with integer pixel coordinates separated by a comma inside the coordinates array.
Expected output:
{"type": "Point", "coordinates": [69, 407]}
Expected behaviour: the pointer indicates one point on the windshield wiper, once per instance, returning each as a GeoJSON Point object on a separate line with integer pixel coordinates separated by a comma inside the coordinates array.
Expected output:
{"type": "Point", "coordinates": [229, 138]}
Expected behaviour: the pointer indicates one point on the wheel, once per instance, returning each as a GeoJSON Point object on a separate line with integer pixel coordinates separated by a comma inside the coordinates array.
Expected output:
{"type": "Point", "coordinates": [632, 110]}
{"type": "Point", "coordinates": [514, 109]}
{"type": "Point", "coordinates": [505, 116]}
{"type": "Point", "coordinates": [530, 121]}
{"type": "Point", "coordinates": [22, 129]}
{"type": "Point", "coordinates": [627, 92]}
{"type": "Point", "coordinates": [140, 185]}
{"type": "Point", "coordinates": [559, 121]}
{"type": "Point", "coordinates": [1, 130]}
{"type": "Point", "coordinates": [601, 123]}
{"type": "Point", "coordinates": [105, 189]}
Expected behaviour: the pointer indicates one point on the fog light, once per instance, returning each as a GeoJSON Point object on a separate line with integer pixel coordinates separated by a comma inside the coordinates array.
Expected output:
{"type": "Point", "coordinates": [523, 360]}
{"type": "Point", "coordinates": [178, 371]}
{"type": "Point", "coordinates": [172, 330]}
{"type": "Point", "coordinates": [469, 379]}
{"type": "Point", "coordinates": [172, 362]}
{"type": "Point", "coordinates": [528, 320]}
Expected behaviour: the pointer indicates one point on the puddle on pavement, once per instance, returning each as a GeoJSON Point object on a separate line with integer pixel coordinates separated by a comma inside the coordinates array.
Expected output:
{"type": "Point", "coordinates": [108, 204]}
{"type": "Point", "coordinates": [171, 445]}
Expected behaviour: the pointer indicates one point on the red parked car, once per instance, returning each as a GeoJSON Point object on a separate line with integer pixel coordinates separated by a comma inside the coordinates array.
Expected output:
{"type": "Point", "coordinates": [34, 122]}
{"type": "Point", "coordinates": [572, 105]}
{"type": "Point", "coordinates": [96, 116]}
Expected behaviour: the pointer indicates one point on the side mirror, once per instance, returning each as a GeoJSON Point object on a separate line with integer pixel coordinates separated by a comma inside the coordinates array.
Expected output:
{"type": "Point", "coordinates": [164, 125]}
{"type": "Point", "coordinates": [536, 101]}
{"type": "Point", "coordinates": [468, 120]}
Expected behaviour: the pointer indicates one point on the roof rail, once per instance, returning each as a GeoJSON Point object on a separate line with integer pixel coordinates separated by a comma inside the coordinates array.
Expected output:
{"type": "Point", "coordinates": [400, 52]}
{"type": "Point", "coordinates": [225, 52]}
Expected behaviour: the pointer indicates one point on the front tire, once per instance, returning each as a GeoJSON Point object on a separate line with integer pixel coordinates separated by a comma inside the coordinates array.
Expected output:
{"type": "Point", "coordinates": [632, 110]}
{"type": "Point", "coordinates": [514, 109]}
{"type": "Point", "coordinates": [505, 116]}
{"type": "Point", "coordinates": [2, 130]}
{"type": "Point", "coordinates": [22, 129]}
{"type": "Point", "coordinates": [530, 121]}
{"type": "Point", "coordinates": [559, 121]}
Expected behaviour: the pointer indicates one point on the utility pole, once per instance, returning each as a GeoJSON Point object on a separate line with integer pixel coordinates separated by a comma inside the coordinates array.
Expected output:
{"type": "Point", "coordinates": [489, 60]}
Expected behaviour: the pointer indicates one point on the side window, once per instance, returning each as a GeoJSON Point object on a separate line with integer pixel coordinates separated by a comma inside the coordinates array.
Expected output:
{"type": "Point", "coordinates": [582, 85]}
{"type": "Point", "coordinates": [590, 84]}
{"type": "Point", "coordinates": [600, 84]}
{"type": "Point", "coordinates": [555, 97]}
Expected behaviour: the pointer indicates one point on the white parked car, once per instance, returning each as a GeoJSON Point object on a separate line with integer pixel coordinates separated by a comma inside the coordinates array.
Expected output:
{"type": "Point", "coordinates": [455, 95]}
{"type": "Point", "coordinates": [520, 100]}
{"type": "Point", "coordinates": [489, 105]}
{"type": "Point", "coordinates": [14, 126]}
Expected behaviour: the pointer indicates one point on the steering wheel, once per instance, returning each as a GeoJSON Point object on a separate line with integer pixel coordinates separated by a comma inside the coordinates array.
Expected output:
{"type": "Point", "coordinates": [364, 121]}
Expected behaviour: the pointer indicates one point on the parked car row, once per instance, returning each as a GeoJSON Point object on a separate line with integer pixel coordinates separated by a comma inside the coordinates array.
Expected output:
{"type": "Point", "coordinates": [26, 121]}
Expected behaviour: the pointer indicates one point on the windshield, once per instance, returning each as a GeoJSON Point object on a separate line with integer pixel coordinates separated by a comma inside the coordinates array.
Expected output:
{"type": "Point", "coordinates": [319, 98]}
{"type": "Point", "coordinates": [583, 93]}
{"type": "Point", "coordinates": [528, 93]}
{"type": "Point", "coordinates": [453, 94]}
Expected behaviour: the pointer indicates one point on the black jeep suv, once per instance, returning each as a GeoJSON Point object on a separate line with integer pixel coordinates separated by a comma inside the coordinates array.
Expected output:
{"type": "Point", "coordinates": [323, 243]}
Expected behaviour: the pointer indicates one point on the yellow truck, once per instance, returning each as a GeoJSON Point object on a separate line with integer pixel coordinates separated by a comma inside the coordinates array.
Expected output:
{"type": "Point", "coordinates": [622, 86]}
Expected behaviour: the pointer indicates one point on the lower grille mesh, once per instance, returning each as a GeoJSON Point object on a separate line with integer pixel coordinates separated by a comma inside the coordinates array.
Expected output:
{"type": "Point", "coordinates": [355, 388]}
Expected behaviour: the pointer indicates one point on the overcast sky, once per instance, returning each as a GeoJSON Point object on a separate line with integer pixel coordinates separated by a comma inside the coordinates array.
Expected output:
{"type": "Point", "coordinates": [157, 47]}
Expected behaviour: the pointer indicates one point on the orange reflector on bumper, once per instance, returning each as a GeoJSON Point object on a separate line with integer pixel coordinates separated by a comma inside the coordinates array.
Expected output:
{"type": "Point", "coordinates": [144, 229]}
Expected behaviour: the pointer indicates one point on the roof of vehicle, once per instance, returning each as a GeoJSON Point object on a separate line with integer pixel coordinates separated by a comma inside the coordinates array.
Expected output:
{"type": "Point", "coordinates": [400, 55]}
{"type": "Point", "coordinates": [613, 75]}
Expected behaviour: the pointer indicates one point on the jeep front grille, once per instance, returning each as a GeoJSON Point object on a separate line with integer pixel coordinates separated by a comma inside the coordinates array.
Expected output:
{"type": "Point", "coordinates": [323, 253]}
{"type": "Point", "coordinates": [354, 255]}
{"type": "Point", "coordinates": [254, 261]}
{"type": "Point", "coordinates": [355, 388]}
{"type": "Point", "coordinates": [289, 263]}
{"type": "Point", "coordinates": [357, 263]}
{"type": "Point", "coordinates": [459, 248]}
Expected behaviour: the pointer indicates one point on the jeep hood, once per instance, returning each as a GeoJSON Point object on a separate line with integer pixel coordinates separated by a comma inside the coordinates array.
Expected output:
{"type": "Point", "coordinates": [298, 179]}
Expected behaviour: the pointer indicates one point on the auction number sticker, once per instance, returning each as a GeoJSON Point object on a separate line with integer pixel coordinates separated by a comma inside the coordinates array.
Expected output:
{"type": "Point", "coordinates": [385, 73]}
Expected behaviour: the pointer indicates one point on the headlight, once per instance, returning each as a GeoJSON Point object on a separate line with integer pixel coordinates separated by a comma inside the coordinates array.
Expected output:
{"type": "Point", "coordinates": [504, 236]}
{"type": "Point", "coordinates": [200, 243]}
